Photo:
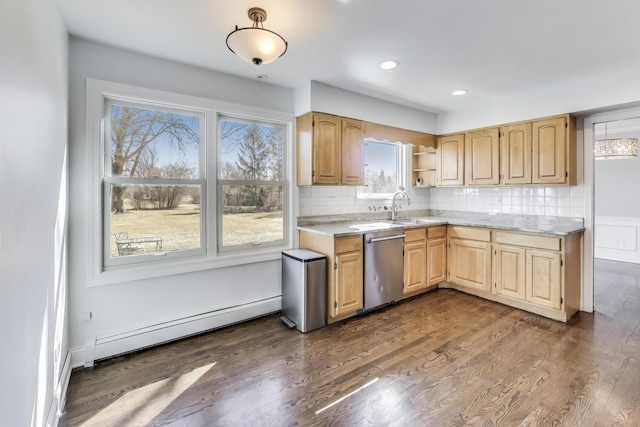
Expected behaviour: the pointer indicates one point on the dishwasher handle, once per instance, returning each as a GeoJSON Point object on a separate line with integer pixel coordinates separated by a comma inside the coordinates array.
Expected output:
{"type": "Point", "coordinates": [382, 239]}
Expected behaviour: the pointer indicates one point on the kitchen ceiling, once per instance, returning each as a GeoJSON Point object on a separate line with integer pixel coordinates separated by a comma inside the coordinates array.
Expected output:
{"type": "Point", "coordinates": [495, 48]}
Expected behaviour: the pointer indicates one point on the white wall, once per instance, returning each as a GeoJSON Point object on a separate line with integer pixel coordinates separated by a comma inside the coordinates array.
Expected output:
{"type": "Point", "coordinates": [33, 139]}
{"type": "Point", "coordinates": [329, 99]}
{"type": "Point", "coordinates": [606, 90]}
{"type": "Point", "coordinates": [617, 199]}
{"type": "Point", "coordinates": [616, 183]}
{"type": "Point", "coordinates": [124, 307]}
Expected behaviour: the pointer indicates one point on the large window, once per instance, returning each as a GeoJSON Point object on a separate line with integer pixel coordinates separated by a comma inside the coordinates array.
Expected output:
{"type": "Point", "coordinates": [181, 183]}
{"type": "Point", "coordinates": [154, 182]}
{"type": "Point", "coordinates": [384, 169]}
{"type": "Point", "coordinates": [251, 186]}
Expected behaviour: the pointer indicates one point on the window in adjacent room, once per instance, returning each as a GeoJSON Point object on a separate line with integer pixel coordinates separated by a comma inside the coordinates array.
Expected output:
{"type": "Point", "coordinates": [384, 169]}
{"type": "Point", "coordinates": [251, 186]}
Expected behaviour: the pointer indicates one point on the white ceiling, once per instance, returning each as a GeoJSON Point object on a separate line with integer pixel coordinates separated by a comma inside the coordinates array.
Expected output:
{"type": "Point", "coordinates": [494, 48]}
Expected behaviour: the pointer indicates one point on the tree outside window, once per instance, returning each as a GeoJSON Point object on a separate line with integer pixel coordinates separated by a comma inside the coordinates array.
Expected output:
{"type": "Point", "coordinates": [250, 183]}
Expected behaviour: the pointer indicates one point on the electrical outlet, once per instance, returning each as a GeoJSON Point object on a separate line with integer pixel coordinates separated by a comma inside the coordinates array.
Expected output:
{"type": "Point", "coordinates": [620, 242]}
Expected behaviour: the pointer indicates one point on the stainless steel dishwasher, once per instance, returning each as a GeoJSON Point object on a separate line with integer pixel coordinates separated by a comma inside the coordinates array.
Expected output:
{"type": "Point", "coordinates": [383, 268]}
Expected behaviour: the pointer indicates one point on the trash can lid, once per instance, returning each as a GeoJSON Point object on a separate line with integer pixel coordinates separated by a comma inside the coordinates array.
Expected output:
{"type": "Point", "coordinates": [303, 255]}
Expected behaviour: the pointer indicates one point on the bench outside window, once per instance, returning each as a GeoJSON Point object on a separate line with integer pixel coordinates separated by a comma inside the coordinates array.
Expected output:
{"type": "Point", "coordinates": [127, 246]}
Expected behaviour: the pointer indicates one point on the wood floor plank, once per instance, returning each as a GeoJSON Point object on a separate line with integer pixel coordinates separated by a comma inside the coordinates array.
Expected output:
{"type": "Point", "coordinates": [442, 358]}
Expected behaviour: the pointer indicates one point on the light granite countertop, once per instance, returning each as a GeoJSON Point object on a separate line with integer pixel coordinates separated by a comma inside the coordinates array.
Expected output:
{"type": "Point", "coordinates": [345, 225]}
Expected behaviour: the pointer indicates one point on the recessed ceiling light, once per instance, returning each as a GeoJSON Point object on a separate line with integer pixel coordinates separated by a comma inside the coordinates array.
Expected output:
{"type": "Point", "coordinates": [460, 92]}
{"type": "Point", "coordinates": [389, 65]}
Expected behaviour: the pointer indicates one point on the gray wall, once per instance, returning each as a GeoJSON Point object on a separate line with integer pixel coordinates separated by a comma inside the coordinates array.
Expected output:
{"type": "Point", "coordinates": [33, 138]}
{"type": "Point", "coordinates": [616, 184]}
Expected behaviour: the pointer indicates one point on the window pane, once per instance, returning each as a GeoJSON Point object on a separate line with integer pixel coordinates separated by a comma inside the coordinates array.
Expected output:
{"type": "Point", "coordinates": [252, 214]}
{"type": "Point", "coordinates": [158, 218]}
{"type": "Point", "coordinates": [250, 151]}
{"type": "Point", "coordinates": [381, 164]}
{"type": "Point", "coordinates": [147, 143]}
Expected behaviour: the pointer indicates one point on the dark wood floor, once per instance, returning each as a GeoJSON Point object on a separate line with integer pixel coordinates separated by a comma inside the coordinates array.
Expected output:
{"type": "Point", "coordinates": [444, 358]}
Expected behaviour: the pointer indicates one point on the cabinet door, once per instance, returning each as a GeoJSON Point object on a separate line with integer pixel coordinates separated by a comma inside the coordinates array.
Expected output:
{"type": "Point", "coordinates": [348, 283]}
{"type": "Point", "coordinates": [415, 268]}
{"type": "Point", "coordinates": [352, 152]}
{"type": "Point", "coordinates": [482, 157]}
{"type": "Point", "coordinates": [549, 151]}
{"type": "Point", "coordinates": [450, 160]}
{"type": "Point", "coordinates": [543, 278]}
{"type": "Point", "coordinates": [470, 264]}
{"type": "Point", "coordinates": [436, 261]}
{"type": "Point", "coordinates": [327, 163]}
{"type": "Point", "coordinates": [509, 274]}
{"type": "Point", "coordinates": [515, 154]}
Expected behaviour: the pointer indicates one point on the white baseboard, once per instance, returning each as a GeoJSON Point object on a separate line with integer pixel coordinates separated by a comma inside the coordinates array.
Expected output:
{"type": "Point", "coordinates": [112, 345]}
{"type": "Point", "coordinates": [617, 239]}
{"type": "Point", "coordinates": [60, 394]}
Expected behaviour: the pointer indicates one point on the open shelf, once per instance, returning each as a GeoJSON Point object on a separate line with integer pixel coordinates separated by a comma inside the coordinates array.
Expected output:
{"type": "Point", "coordinates": [423, 166]}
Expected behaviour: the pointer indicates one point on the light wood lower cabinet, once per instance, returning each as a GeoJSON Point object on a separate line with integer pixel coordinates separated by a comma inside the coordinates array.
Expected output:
{"type": "Point", "coordinates": [509, 271]}
{"type": "Point", "coordinates": [543, 278]}
{"type": "Point", "coordinates": [533, 272]}
{"type": "Point", "coordinates": [348, 283]}
{"type": "Point", "coordinates": [415, 260]}
{"type": "Point", "coordinates": [345, 271]}
{"type": "Point", "coordinates": [469, 255]}
{"type": "Point", "coordinates": [436, 254]}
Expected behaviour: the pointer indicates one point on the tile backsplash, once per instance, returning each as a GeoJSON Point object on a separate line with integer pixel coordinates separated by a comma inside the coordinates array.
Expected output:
{"type": "Point", "coordinates": [336, 200]}
{"type": "Point", "coordinates": [527, 200]}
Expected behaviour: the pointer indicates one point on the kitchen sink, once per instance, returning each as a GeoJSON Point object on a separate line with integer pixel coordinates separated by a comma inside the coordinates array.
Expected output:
{"type": "Point", "coordinates": [370, 226]}
{"type": "Point", "coordinates": [413, 221]}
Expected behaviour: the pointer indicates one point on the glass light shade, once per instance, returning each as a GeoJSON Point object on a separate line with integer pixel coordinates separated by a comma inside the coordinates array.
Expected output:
{"type": "Point", "coordinates": [621, 148]}
{"type": "Point", "coordinates": [256, 45]}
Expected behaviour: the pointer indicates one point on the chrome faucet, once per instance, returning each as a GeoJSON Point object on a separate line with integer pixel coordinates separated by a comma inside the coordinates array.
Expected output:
{"type": "Point", "coordinates": [394, 206]}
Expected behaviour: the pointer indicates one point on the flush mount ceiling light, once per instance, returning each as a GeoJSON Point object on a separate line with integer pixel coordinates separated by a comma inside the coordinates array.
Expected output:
{"type": "Point", "coordinates": [460, 92]}
{"type": "Point", "coordinates": [389, 65]}
{"type": "Point", "coordinates": [618, 148]}
{"type": "Point", "coordinates": [255, 44]}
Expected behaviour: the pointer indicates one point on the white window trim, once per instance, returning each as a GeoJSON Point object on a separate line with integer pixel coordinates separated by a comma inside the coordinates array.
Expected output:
{"type": "Point", "coordinates": [402, 171]}
{"type": "Point", "coordinates": [96, 92]}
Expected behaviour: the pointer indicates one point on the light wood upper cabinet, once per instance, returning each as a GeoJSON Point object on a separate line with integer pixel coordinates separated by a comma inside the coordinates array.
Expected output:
{"type": "Point", "coordinates": [450, 160]}
{"type": "Point", "coordinates": [330, 150]}
{"type": "Point", "coordinates": [554, 151]}
{"type": "Point", "coordinates": [352, 152]}
{"type": "Point", "coordinates": [515, 154]}
{"type": "Point", "coordinates": [482, 157]}
{"type": "Point", "coordinates": [327, 146]}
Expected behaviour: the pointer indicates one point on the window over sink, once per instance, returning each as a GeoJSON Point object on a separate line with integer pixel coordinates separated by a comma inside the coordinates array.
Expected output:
{"type": "Point", "coordinates": [384, 169]}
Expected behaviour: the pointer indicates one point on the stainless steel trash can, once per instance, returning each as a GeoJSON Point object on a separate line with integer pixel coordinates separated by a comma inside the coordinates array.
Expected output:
{"type": "Point", "coordinates": [304, 289]}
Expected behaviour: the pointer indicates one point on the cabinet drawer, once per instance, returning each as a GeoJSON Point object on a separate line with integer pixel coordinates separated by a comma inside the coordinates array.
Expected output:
{"type": "Point", "coordinates": [414, 234]}
{"type": "Point", "coordinates": [348, 244]}
{"type": "Point", "coordinates": [470, 233]}
{"type": "Point", "coordinates": [436, 232]}
{"type": "Point", "coordinates": [528, 240]}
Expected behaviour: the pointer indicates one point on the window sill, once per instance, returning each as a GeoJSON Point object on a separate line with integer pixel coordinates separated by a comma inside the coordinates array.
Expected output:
{"type": "Point", "coordinates": [169, 268]}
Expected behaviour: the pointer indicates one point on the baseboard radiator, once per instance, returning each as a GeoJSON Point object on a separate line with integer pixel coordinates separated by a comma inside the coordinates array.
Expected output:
{"type": "Point", "coordinates": [107, 346]}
